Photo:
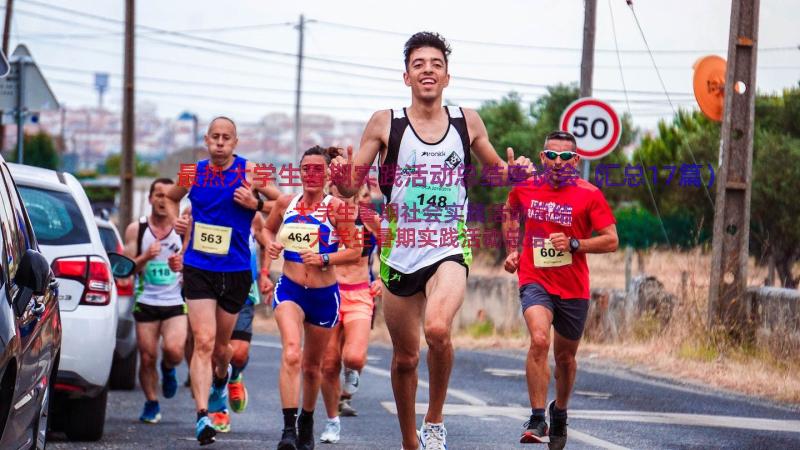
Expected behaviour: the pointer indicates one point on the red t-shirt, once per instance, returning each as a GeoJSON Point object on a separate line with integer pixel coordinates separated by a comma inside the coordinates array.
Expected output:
{"type": "Point", "coordinates": [576, 211]}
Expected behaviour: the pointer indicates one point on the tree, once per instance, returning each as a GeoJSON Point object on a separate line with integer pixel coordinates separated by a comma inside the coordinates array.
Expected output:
{"type": "Point", "coordinates": [143, 169]}
{"type": "Point", "coordinates": [40, 151]}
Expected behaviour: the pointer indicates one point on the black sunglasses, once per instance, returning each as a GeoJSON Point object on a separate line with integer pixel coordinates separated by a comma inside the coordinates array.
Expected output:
{"type": "Point", "coordinates": [565, 156]}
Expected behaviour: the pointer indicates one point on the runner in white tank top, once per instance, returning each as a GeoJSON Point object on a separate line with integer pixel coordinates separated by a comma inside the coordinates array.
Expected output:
{"type": "Point", "coordinates": [425, 283]}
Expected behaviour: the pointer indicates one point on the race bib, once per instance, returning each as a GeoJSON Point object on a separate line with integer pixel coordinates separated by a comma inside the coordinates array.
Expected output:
{"type": "Point", "coordinates": [548, 256]}
{"type": "Point", "coordinates": [430, 195]}
{"type": "Point", "coordinates": [297, 237]}
{"type": "Point", "coordinates": [211, 238]}
{"type": "Point", "coordinates": [158, 273]}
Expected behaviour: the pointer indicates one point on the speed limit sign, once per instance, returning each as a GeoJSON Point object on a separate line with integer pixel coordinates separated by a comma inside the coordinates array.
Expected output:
{"type": "Point", "coordinates": [595, 125]}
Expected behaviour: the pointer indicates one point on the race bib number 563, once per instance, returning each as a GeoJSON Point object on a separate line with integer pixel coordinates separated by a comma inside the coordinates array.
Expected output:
{"type": "Point", "coordinates": [211, 238]}
{"type": "Point", "coordinates": [548, 256]}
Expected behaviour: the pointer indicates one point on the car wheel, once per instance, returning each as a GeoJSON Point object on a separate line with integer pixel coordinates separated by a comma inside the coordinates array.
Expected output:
{"type": "Point", "coordinates": [123, 373]}
{"type": "Point", "coordinates": [86, 417]}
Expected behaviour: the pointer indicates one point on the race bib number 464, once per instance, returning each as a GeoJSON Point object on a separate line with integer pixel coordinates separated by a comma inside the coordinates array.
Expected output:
{"type": "Point", "coordinates": [548, 256]}
{"type": "Point", "coordinates": [297, 237]}
{"type": "Point", "coordinates": [211, 238]}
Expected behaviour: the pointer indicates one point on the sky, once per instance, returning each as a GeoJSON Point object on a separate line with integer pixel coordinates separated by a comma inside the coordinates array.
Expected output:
{"type": "Point", "coordinates": [238, 57]}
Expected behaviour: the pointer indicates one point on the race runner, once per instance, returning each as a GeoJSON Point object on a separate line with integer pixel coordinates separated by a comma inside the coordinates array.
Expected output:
{"type": "Point", "coordinates": [561, 212]}
{"type": "Point", "coordinates": [159, 309]}
{"type": "Point", "coordinates": [307, 228]}
{"type": "Point", "coordinates": [424, 285]}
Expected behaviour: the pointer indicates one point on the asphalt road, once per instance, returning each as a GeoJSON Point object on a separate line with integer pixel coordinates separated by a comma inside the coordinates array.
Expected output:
{"type": "Point", "coordinates": [612, 408]}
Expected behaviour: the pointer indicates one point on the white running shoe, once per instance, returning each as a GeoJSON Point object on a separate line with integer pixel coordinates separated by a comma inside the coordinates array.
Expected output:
{"type": "Point", "coordinates": [351, 379]}
{"type": "Point", "coordinates": [433, 436]}
{"type": "Point", "coordinates": [331, 433]}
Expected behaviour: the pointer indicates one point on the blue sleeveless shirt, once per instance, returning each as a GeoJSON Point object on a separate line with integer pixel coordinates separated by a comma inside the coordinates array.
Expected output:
{"type": "Point", "coordinates": [220, 226]}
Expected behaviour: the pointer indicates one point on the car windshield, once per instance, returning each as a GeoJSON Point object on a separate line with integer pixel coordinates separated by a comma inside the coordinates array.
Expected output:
{"type": "Point", "coordinates": [109, 239]}
{"type": "Point", "coordinates": [56, 218]}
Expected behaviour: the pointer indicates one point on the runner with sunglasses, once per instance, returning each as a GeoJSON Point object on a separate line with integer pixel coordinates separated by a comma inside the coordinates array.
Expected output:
{"type": "Point", "coordinates": [560, 212]}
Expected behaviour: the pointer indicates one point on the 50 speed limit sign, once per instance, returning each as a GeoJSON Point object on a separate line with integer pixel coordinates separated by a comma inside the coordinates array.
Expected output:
{"type": "Point", "coordinates": [595, 125]}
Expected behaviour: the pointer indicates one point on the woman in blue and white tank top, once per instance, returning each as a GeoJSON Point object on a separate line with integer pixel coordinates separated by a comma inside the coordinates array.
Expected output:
{"type": "Point", "coordinates": [307, 228]}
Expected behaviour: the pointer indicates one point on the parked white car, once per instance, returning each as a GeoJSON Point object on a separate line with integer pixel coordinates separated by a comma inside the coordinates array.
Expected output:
{"type": "Point", "coordinates": [123, 369]}
{"type": "Point", "coordinates": [68, 237]}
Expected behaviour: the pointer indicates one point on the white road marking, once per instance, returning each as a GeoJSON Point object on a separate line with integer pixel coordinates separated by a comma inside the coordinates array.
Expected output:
{"type": "Point", "coordinates": [461, 395]}
{"type": "Point", "coordinates": [505, 372]}
{"type": "Point", "coordinates": [593, 394]}
{"type": "Point", "coordinates": [472, 402]}
{"type": "Point", "coordinates": [502, 411]}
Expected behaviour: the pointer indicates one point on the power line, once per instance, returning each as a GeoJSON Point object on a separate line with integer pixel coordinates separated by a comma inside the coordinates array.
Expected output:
{"type": "Point", "coordinates": [539, 47]}
{"type": "Point", "coordinates": [311, 58]}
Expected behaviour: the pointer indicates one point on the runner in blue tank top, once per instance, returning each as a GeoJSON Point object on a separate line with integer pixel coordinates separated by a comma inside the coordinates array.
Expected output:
{"type": "Point", "coordinates": [216, 274]}
{"type": "Point", "coordinates": [307, 228]}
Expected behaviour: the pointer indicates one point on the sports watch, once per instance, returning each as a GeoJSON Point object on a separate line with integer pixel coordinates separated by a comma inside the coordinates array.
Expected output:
{"type": "Point", "coordinates": [574, 245]}
{"type": "Point", "coordinates": [325, 260]}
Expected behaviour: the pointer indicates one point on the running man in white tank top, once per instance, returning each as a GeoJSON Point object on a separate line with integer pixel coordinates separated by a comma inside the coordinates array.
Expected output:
{"type": "Point", "coordinates": [160, 312]}
{"type": "Point", "coordinates": [423, 140]}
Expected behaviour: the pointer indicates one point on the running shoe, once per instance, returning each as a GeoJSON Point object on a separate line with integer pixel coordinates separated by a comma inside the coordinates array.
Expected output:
{"type": "Point", "coordinates": [204, 430]}
{"type": "Point", "coordinates": [346, 409]}
{"type": "Point", "coordinates": [535, 431]}
{"type": "Point", "coordinates": [221, 421]}
{"type": "Point", "coordinates": [351, 379]}
{"type": "Point", "coordinates": [558, 429]}
{"type": "Point", "coordinates": [305, 433]}
{"type": "Point", "coordinates": [288, 439]}
{"type": "Point", "coordinates": [237, 394]}
{"type": "Point", "coordinates": [169, 381]}
{"type": "Point", "coordinates": [218, 398]}
{"type": "Point", "coordinates": [433, 436]}
{"type": "Point", "coordinates": [151, 412]}
{"type": "Point", "coordinates": [330, 435]}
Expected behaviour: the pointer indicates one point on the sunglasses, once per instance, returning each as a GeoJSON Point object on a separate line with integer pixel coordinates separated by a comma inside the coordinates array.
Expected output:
{"type": "Point", "coordinates": [565, 156]}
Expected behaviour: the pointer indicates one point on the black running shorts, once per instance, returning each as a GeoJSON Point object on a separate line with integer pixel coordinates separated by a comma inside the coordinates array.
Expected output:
{"type": "Point", "coordinates": [229, 289]}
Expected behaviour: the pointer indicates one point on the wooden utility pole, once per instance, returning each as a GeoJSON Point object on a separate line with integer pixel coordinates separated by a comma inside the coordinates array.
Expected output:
{"type": "Point", "coordinates": [298, 90]}
{"type": "Point", "coordinates": [587, 58]}
{"type": "Point", "coordinates": [128, 123]}
{"type": "Point", "coordinates": [6, 37]}
{"type": "Point", "coordinates": [727, 289]}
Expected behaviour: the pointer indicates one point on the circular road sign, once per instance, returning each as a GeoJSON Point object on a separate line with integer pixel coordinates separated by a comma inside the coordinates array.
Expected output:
{"type": "Point", "coordinates": [595, 125]}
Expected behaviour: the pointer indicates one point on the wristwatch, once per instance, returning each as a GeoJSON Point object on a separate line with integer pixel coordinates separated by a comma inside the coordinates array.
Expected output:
{"type": "Point", "coordinates": [326, 259]}
{"type": "Point", "coordinates": [574, 245]}
{"type": "Point", "coordinates": [260, 205]}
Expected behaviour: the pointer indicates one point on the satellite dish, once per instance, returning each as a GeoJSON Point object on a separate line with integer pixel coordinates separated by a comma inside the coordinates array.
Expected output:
{"type": "Point", "coordinates": [709, 86]}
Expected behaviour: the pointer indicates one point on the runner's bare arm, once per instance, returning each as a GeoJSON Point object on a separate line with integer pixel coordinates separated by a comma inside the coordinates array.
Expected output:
{"type": "Point", "coordinates": [130, 250]}
{"type": "Point", "coordinates": [483, 149]}
{"type": "Point", "coordinates": [606, 241]}
{"type": "Point", "coordinates": [511, 227]}
{"type": "Point", "coordinates": [174, 196]}
{"type": "Point", "coordinates": [271, 227]}
{"type": "Point", "coordinates": [373, 142]}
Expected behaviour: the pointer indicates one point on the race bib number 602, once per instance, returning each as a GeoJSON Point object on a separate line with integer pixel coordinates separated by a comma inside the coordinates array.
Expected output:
{"type": "Point", "coordinates": [548, 256]}
{"type": "Point", "coordinates": [211, 238]}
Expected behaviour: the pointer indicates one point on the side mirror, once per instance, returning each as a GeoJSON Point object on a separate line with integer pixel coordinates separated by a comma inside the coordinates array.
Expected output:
{"type": "Point", "coordinates": [31, 278]}
{"type": "Point", "coordinates": [33, 272]}
{"type": "Point", "coordinates": [121, 266]}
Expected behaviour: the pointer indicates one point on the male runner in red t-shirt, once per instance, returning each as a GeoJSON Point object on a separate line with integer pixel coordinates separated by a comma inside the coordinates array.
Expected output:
{"type": "Point", "coordinates": [560, 211]}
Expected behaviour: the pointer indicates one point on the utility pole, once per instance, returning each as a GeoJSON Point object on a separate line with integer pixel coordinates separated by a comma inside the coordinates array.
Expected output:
{"type": "Point", "coordinates": [297, 125]}
{"type": "Point", "coordinates": [128, 123]}
{"type": "Point", "coordinates": [6, 37]}
{"type": "Point", "coordinates": [728, 285]}
{"type": "Point", "coordinates": [587, 58]}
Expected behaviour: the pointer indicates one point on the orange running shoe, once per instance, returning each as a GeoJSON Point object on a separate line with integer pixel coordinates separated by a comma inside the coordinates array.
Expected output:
{"type": "Point", "coordinates": [237, 394]}
{"type": "Point", "coordinates": [221, 421]}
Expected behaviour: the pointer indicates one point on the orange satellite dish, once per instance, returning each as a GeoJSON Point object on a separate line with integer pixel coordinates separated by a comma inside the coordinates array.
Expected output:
{"type": "Point", "coordinates": [709, 86]}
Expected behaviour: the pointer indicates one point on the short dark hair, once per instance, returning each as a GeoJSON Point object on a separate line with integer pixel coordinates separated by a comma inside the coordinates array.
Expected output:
{"type": "Point", "coordinates": [159, 181]}
{"type": "Point", "coordinates": [426, 39]}
{"type": "Point", "coordinates": [559, 135]}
